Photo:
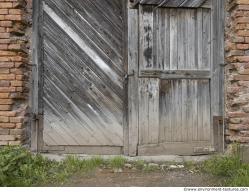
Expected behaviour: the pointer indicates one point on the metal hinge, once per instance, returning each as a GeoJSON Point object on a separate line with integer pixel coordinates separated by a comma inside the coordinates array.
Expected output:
{"type": "Point", "coordinates": [129, 74]}
{"type": "Point", "coordinates": [36, 117]}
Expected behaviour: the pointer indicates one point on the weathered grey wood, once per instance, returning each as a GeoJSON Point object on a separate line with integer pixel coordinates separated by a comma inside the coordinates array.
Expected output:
{"type": "Point", "coordinates": [146, 37]}
{"type": "Point", "coordinates": [36, 136]}
{"type": "Point", "coordinates": [218, 133]}
{"type": "Point", "coordinates": [83, 81]}
{"type": "Point", "coordinates": [173, 46]}
{"type": "Point", "coordinates": [176, 74]}
{"type": "Point", "coordinates": [133, 80]}
{"type": "Point", "coordinates": [206, 38]}
{"type": "Point", "coordinates": [94, 150]}
{"type": "Point", "coordinates": [167, 39]}
{"type": "Point", "coordinates": [171, 3]}
{"type": "Point", "coordinates": [207, 4]}
{"type": "Point", "coordinates": [217, 57]}
{"type": "Point", "coordinates": [179, 148]}
{"type": "Point", "coordinates": [180, 39]}
{"type": "Point", "coordinates": [126, 66]}
{"type": "Point", "coordinates": [153, 90]}
{"type": "Point", "coordinates": [148, 110]}
{"type": "Point", "coordinates": [143, 110]}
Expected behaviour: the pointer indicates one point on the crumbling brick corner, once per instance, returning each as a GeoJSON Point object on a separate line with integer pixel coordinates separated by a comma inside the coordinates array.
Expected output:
{"type": "Point", "coordinates": [237, 71]}
{"type": "Point", "coordinates": [14, 70]}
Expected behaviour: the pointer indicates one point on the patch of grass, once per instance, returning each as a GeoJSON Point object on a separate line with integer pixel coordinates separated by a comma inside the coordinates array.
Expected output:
{"type": "Point", "coordinates": [229, 167]}
{"type": "Point", "coordinates": [222, 165]}
{"type": "Point", "coordinates": [117, 162]}
{"type": "Point", "coordinates": [19, 167]}
{"type": "Point", "coordinates": [139, 164]}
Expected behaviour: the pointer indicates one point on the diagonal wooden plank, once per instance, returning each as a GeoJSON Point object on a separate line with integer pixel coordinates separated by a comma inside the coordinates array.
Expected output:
{"type": "Point", "coordinates": [83, 45]}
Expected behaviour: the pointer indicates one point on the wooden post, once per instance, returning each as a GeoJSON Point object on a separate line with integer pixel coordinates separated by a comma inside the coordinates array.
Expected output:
{"type": "Point", "coordinates": [133, 80]}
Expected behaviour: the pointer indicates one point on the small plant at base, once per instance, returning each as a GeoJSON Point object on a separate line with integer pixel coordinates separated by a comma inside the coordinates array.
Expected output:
{"type": "Point", "coordinates": [117, 162]}
{"type": "Point", "coordinates": [139, 164]}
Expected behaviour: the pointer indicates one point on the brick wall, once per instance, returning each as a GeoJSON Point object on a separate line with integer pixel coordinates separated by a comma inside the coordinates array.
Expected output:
{"type": "Point", "coordinates": [237, 71]}
{"type": "Point", "coordinates": [14, 71]}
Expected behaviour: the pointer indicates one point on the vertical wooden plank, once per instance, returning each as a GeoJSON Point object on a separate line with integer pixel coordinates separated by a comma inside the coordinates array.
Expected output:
{"type": "Point", "coordinates": [177, 114]}
{"type": "Point", "coordinates": [190, 39]}
{"type": "Point", "coordinates": [143, 111]}
{"type": "Point", "coordinates": [181, 39]}
{"type": "Point", "coordinates": [206, 111]}
{"type": "Point", "coordinates": [166, 31]}
{"type": "Point", "coordinates": [133, 80]}
{"type": "Point", "coordinates": [165, 111]}
{"type": "Point", "coordinates": [206, 38]}
{"type": "Point", "coordinates": [153, 90]}
{"type": "Point", "coordinates": [185, 104]}
{"type": "Point", "coordinates": [215, 64]}
{"type": "Point", "coordinates": [204, 119]}
{"type": "Point", "coordinates": [146, 37]}
{"type": "Point", "coordinates": [36, 60]}
{"type": "Point", "coordinates": [155, 33]}
{"type": "Point", "coordinates": [161, 38]}
{"type": "Point", "coordinates": [200, 104]}
{"type": "Point", "coordinates": [173, 39]}
{"type": "Point", "coordinates": [221, 38]}
{"type": "Point", "coordinates": [126, 86]}
{"type": "Point", "coordinates": [199, 38]}
{"type": "Point", "coordinates": [193, 130]}
{"type": "Point", "coordinates": [217, 58]}
{"type": "Point", "coordinates": [190, 105]}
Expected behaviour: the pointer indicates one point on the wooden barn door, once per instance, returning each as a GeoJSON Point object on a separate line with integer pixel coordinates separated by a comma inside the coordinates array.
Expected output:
{"type": "Point", "coordinates": [179, 77]}
{"type": "Point", "coordinates": [82, 92]}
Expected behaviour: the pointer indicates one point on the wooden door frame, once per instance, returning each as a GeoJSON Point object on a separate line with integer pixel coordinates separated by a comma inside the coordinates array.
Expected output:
{"type": "Point", "coordinates": [217, 71]}
{"type": "Point", "coordinates": [36, 122]}
{"type": "Point", "coordinates": [36, 91]}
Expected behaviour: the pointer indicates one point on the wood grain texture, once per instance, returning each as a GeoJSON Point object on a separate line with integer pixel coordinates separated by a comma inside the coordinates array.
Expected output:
{"type": "Point", "coordinates": [133, 57]}
{"type": "Point", "coordinates": [84, 92]}
{"type": "Point", "coordinates": [174, 39]}
{"type": "Point", "coordinates": [174, 3]}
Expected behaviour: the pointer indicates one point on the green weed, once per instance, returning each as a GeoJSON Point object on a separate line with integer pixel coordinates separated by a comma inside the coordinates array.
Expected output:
{"type": "Point", "coordinates": [19, 167]}
{"type": "Point", "coordinates": [117, 162]}
{"type": "Point", "coordinates": [139, 164]}
{"type": "Point", "coordinates": [230, 167]}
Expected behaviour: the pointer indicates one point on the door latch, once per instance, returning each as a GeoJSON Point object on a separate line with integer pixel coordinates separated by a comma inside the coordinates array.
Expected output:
{"type": "Point", "coordinates": [129, 74]}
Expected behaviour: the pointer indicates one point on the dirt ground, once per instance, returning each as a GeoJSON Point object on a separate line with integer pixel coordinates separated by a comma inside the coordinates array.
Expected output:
{"type": "Point", "coordinates": [136, 178]}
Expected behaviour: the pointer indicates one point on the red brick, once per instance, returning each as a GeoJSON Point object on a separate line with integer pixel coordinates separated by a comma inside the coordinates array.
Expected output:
{"type": "Point", "coordinates": [5, 5]}
{"type": "Point", "coordinates": [6, 23]}
{"type": "Point", "coordinates": [4, 95]}
{"type": "Point", "coordinates": [16, 119]}
{"type": "Point", "coordinates": [4, 11]}
{"type": "Point", "coordinates": [6, 101]}
{"type": "Point", "coordinates": [243, 33]}
{"type": "Point", "coordinates": [4, 119]}
{"type": "Point", "coordinates": [15, 11]}
{"type": "Point", "coordinates": [8, 113]}
{"type": "Point", "coordinates": [242, 46]}
{"type": "Point", "coordinates": [7, 125]}
{"type": "Point", "coordinates": [7, 77]}
{"type": "Point", "coordinates": [5, 107]}
{"type": "Point", "coordinates": [13, 17]}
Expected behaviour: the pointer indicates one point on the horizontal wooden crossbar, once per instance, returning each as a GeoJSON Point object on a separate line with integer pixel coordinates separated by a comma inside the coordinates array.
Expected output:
{"type": "Point", "coordinates": [170, 3]}
{"type": "Point", "coordinates": [176, 74]}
